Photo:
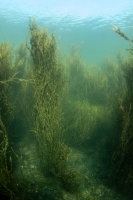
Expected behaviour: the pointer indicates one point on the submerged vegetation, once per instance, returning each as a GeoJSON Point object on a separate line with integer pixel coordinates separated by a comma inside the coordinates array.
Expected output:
{"type": "Point", "coordinates": [48, 84]}
{"type": "Point", "coordinates": [123, 157]}
{"type": "Point", "coordinates": [60, 115]}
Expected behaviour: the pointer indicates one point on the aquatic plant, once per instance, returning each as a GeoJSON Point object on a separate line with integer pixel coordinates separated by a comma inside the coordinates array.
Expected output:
{"type": "Point", "coordinates": [117, 30]}
{"type": "Point", "coordinates": [90, 97]}
{"type": "Point", "coordinates": [122, 166]}
{"type": "Point", "coordinates": [48, 85]}
{"type": "Point", "coordinates": [122, 159]}
{"type": "Point", "coordinates": [7, 79]}
{"type": "Point", "coordinates": [12, 84]}
{"type": "Point", "coordinates": [7, 76]}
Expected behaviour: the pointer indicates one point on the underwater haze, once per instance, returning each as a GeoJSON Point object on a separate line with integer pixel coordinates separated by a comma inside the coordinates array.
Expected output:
{"type": "Point", "coordinates": [86, 23]}
{"type": "Point", "coordinates": [66, 100]}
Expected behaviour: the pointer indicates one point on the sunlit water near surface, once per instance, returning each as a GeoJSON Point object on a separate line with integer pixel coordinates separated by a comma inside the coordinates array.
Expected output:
{"type": "Point", "coordinates": [86, 23]}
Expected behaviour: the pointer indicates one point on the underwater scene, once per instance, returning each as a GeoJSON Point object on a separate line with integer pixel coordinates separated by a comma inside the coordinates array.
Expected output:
{"type": "Point", "coordinates": [66, 100]}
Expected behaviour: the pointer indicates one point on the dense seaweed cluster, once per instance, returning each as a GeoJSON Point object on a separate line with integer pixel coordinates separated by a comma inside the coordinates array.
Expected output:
{"type": "Point", "coordinates": [123, 165]}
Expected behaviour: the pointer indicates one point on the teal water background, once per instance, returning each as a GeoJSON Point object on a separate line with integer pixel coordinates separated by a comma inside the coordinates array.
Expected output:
{"type": "Point", "coordinates": [87, 23]}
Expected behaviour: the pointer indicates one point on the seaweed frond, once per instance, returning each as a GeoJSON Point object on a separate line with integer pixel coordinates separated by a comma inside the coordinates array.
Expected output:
{"type": "Point", "coordinates": [117, 30]}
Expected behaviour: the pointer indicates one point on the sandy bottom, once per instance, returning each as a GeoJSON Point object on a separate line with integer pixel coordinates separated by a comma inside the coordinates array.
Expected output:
{"type": "Point", "coordinates": [87, 165]}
